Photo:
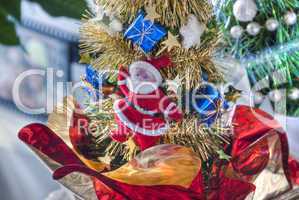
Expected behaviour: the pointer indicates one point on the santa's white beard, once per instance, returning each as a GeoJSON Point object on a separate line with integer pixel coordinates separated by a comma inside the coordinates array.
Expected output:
{"type": "Point", "coordinates": [141, 87]}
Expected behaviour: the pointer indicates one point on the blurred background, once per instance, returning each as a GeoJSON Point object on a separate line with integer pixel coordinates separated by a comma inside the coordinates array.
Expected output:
{"type": "Point", "coordinates": [35, 34]}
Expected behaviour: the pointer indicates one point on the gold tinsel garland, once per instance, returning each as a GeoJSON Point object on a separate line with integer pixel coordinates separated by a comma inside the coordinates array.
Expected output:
{"type": "Point", "coordinates": [112, 51]}
{"type": "Point", "coordinates": [174, 13]}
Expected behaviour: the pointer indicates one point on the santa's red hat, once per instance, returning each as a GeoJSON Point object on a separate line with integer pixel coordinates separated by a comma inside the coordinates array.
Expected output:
{"type": "Point", "coordinates": [161, 62]}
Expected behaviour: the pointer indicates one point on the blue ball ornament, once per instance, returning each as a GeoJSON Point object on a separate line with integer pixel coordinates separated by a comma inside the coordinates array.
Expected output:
{"type": "Point", "coordinates": [208, 102]}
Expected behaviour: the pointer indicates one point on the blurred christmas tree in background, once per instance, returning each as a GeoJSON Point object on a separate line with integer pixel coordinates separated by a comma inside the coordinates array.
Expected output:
{"type": "Point", "coordinates": [264, 36]}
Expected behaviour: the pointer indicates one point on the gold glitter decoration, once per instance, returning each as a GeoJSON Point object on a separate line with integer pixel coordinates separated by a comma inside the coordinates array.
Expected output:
{"type": "Point", "coordinates": [174, 13]}
{"type": "Point", "coordinates": [205, 142]}
{"type": "Point", "coordinates": [170, 43]}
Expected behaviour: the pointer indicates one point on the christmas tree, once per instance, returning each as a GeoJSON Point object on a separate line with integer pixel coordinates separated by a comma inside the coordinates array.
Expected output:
{"type": "Point", "coordinates": [185, 32]}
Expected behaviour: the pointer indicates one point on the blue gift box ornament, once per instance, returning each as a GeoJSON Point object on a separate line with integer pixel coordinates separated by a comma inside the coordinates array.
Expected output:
{"type": "Point", "coordinates": [93, 80]}
{"type": "Point", "coordinates": [208, 103]}
{"type": "Point", "coordinates": [92, 77]}
{"type": "Point", "coordinates": [145, 33]}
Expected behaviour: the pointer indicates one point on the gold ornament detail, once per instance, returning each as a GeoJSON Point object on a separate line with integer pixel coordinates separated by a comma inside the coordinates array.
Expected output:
{"type": "Point", "coordinates": [151, 13]}
{"type": "Point", "coordinates": [174, 85]}
{"type": "Point", "coordinates": [233, 94]}
{"type": "Point", "coordinates": [170, 43]}
{"type": "Point", "coordinates": [85, 59]}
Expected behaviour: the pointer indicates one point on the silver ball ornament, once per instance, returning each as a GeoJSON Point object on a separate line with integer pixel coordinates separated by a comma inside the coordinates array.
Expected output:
{"type": "Point", "coordinates": [275, 96]}
{"type": "Point", "coordinates": [290, 18]}
{"type": "Point", "coordinates": [253, 28]}
{"type": "Point", "coordinates": [116, 25]}
{"type": "Point", "coordinates": [294, 94]}
{"type": "Point", "coordinates": [272, 24]}
{"type": "Point", "coordinates": [245, 10]}
{"type": "Point", "coordinates": [236, 31]}
{"type": "Point", "coordinates": [100, 12]}
{"type": "Point", "coordinates": [258, 98]}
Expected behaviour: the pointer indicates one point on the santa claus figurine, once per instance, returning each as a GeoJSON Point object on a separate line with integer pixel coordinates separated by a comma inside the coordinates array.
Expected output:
{"type": "Point", "coordinates": [145, 111]}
